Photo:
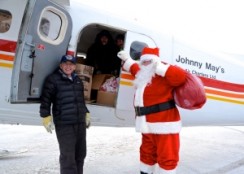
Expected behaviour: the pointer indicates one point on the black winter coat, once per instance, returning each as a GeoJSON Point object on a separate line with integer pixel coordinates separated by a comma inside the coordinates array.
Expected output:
{"type": "Point", "coordinates": [66, 98]}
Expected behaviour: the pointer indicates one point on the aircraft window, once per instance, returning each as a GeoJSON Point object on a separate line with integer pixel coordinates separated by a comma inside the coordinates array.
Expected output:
{"type": "Point", "coordinates": [136, 49]}
{"type": "Point", "coordinates": [5, 20]}
{"type": "Point", "coordinates": [50, 25]}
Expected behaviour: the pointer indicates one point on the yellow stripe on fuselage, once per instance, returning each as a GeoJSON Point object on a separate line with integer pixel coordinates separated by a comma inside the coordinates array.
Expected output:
{"type": "Point", "coordinates": [126, 83]}
{"type": "Point", "coordinates": [6, 65]}
{"type": "Point", "coordinates": [225, 99]}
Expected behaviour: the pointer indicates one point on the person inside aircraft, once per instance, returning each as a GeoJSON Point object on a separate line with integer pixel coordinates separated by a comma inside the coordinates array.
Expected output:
{"type": "Point", "coordinates": [102, 55]}
{"type": "Point", "coordinates": [44, 26]}
{"type": "Point", "coordinates": [63, 91]}
{"type": "Point", "coordinates": [119, 41]}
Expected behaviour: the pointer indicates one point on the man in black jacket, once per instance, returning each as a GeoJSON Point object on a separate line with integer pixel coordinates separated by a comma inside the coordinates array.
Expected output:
{"type": "Point", "coordinates": [63, 91]}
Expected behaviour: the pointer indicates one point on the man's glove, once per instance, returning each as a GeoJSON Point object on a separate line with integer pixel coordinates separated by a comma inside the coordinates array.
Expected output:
{"type": "Point", "coordinates": [122, 55]}
{"type": "Point", "coordinates": [161, 68]}
{"type": "Point", "coordinates": [88, 120]}
{"type": "Point", "coordinates": [48, 123]}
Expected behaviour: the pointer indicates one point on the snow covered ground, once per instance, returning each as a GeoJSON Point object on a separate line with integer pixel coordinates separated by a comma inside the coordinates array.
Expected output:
{"type": "Point", "coordinates": [204, 150]}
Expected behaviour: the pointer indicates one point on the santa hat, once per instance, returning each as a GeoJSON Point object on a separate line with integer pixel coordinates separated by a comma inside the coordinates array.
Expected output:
{"type": "Point", "coordinates": [149, 54]}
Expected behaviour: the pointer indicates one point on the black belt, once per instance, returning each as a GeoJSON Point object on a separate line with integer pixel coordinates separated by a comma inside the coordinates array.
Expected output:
{"type": "Point", "coordinates": [154, 108]}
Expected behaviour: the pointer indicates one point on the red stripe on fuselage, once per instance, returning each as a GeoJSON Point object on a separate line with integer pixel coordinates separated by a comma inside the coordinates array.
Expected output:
{"type": "Point", "coordinates": [8, 46]}
{"type": "Point", "coordinates": [222, 85]}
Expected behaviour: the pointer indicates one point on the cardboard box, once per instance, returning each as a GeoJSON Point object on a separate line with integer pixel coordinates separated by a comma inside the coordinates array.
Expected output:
{"type": "Point", "coordinates": [106, 98]}
{"type": "Point", "coordinates": [99, 79]}
{"type": "Point", "coordinates": [85, 73]}
{"type": "Point", "coordinates": [102, 97]}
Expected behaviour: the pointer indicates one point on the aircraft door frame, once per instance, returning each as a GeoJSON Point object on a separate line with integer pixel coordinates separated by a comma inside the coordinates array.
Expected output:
{"type": "Point", "coordinates": [43, 39]}
{"type": "Point", "coordinates": [126, 90]}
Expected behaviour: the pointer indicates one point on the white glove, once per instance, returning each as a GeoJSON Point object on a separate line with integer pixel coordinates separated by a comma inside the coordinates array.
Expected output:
{"type": "Point", "coordinates": [122, 55]}
{"type": "Point", "coordinates": [161, 68]}
{"type": "Point", "coordinates": [48, 123]}
{"type": "Point", "coordinates": [88, 120]}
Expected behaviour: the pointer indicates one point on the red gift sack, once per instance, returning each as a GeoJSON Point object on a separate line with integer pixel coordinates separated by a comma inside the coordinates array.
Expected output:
{"type": "Point", "coordinates": [190, 95]}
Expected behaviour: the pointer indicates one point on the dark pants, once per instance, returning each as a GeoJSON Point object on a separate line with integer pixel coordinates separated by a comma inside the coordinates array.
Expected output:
{"type": "Point", "coordinates": [72, 146]}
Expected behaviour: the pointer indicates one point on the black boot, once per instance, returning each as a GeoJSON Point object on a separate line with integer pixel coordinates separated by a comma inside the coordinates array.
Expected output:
{"type": "Point", "coordinates": [144, 173]}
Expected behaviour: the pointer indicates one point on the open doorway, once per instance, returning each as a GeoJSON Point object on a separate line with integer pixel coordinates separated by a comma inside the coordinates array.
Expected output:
{"type": "Point", "coordinates": [98, 64]}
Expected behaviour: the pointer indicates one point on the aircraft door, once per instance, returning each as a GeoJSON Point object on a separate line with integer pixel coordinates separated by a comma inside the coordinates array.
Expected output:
{"type": "Point", "coordinates": [43, 39]}
{"type": "Point", "coordinates": [134, 43]}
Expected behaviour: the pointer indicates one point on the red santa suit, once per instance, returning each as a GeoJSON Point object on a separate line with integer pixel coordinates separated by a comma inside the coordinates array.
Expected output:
{"type": "Point", "coordinates": [160, 124]}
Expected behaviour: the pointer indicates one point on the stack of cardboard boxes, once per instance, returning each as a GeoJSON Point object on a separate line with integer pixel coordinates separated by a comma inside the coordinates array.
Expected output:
{"type": "Point", "coordinates": [92, 84]}
{"type": "Point", "coordinates": [85, 73]}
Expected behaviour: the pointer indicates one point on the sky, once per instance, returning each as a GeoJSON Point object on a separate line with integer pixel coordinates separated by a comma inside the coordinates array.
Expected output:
{"type": "Point", "coordinates": [208, 24]}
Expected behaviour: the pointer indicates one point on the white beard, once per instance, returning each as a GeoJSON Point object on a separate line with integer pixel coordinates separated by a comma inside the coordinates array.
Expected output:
{"type": "Point", "coordinates": [145, 75]}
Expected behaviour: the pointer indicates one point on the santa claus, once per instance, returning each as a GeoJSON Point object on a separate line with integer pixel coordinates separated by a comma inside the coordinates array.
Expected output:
{"type": "Point", "coordinates": [157, 117]}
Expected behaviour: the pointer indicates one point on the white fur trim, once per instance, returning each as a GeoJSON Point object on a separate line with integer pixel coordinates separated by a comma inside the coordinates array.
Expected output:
{"type": "Point", "coordinates": [138, 100]}
{"type": "Point", "coordinates": [163, 171]}
{"type": "Point", "coordinates": [158, 127]}
{"type": "Point", "coordinates": [141, 124]}
{"type": "Point", "coordinates": [161, 69]}
{"type": "Point", "coordinates": [146, 168]}
{"type": "Point", "coordinates": [148, 57]}
{"type": "Point", "coordinates": [128, 63]}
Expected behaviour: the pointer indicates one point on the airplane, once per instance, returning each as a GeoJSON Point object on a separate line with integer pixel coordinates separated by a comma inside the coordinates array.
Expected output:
{"type": "Point", "coordinates": [34, 34]}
